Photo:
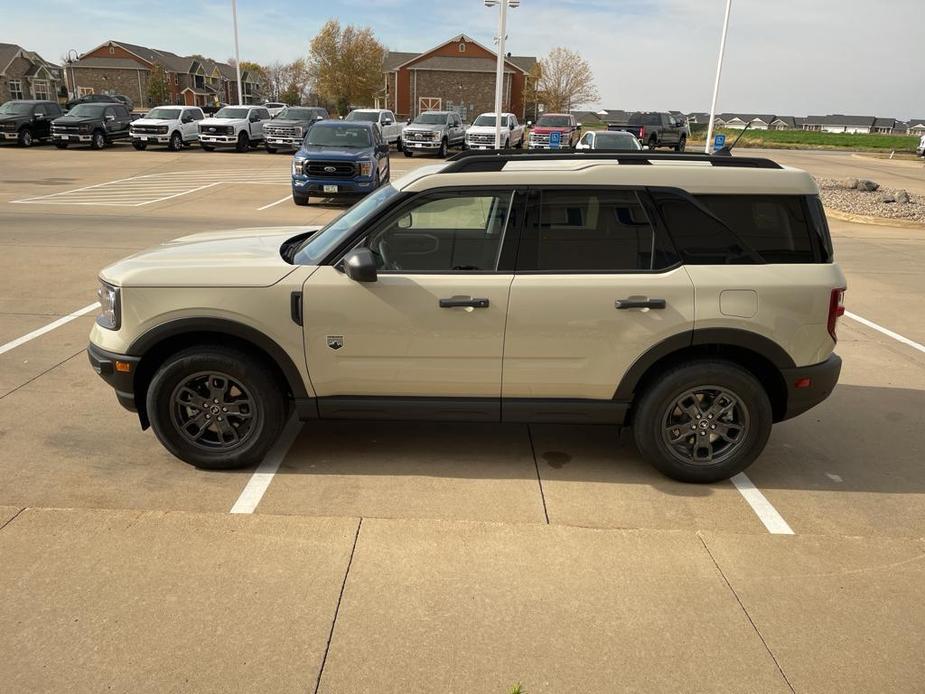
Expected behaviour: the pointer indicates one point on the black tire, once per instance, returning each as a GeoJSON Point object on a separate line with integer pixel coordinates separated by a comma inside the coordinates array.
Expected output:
{"type": "Point", "coordinates": [271, 150]}
{"type": "Point", "coordinates": [259, 400]}
{"type": "Point", "coordinates": [682, 143]}
{"type": "Point", "coordinates": [176, 142]}
{"type": "Point", "coordinates": [653, 143]}
{"type": "Point", "coordinates": [208, 148]}
{"type": "Point", "coordinates": [25, 138]}
{"type": "Point", "coordinates": [398, 144]}
{"type": "Point", "coordinates": [244, 143]}
{"type": "Point", "coordinates": [97, 140]}
{"type": "Point", "coordinates": [408, 153]}
{"type": "Point", "coordinates": [520, 143]}
{"type": "Point", "coordinates": [300, 200]}
{"type": "Point", "coordinates": [658, 418]}
{"type": "Point", "coordinates": [140, 146]}
{"type": "Point", "coordinates": [443, 147]}
{"type": "Point", "coordinates": [61, 145]}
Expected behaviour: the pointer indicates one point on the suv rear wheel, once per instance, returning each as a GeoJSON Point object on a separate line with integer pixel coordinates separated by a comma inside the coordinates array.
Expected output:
{"type": "Point", "coordinates": [216, 407]}
{"type": "Point", "coordinates": [682, 143]}
{"type": "Point", "coordinates": [244, 143]}
{"type": "Point", "coordinates": [139, 145]}
{"type": "Point", "coordinates": [442, 151]}
{"type": "Point", "coordinates": [25, 137]}
{"type": "Point", "coordinates": [176, 142]}
{"type": "Point", "coordinates": [703, 421]}
{"type": "Point", "coordinates": [97, 140]}
{"type": "Point", "coordinates": [653, 143]}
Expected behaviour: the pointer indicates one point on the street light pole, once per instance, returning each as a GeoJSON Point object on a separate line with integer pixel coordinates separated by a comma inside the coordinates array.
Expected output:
{"type": "Point", "coordinates": [499, 70]}
{"type": "Point", "coordinates": [237, 55]}
{"type": "Point", "coordinates": [719, 70]}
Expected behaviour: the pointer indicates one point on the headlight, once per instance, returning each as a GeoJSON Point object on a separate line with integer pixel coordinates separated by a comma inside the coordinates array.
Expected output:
{"type": "Point", "coordinates": [162, 130]}
{"type": "Point", "coordinates": [84, 128]}
{"type": "Point", "coordinates": [366, 168]}
{"type": "Point", "coordinates": [110, 306]}
{"type": "Point", "coordinates": [298, 166]}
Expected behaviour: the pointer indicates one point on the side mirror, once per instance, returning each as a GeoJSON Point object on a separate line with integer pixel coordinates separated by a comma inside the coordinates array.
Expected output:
{"type": "Point", "coordinates": [510, 126]}
{"type": "Point", "coordinates": [382, 149]}
{"type": "Point", "coordinates": [408, 122]}
{"type": "Point", "coordinates": [110, 117]}
{"type": "Point", "coordinates": [387, 122]}
{"type": "Point", "coordinates": [529, 123]}
{"type": "Point", "coordinates": [360, 265]}
{"type": "Point", "coordinates": [39, 116]}
{"type": "Point", "coordinates": [579, 126]}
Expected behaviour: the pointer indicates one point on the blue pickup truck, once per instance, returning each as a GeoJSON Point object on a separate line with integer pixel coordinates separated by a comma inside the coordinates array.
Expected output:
{"type": "Point", "coordinates": [337, 158]}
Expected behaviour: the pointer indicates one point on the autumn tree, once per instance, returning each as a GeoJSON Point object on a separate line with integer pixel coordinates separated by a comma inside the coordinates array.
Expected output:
{"type": "Point", "coordinates": [346, 63]}
{"type": "Point", "coordinates": [565, 81]}
{"type": "Point", "coordinates": [158, 91]}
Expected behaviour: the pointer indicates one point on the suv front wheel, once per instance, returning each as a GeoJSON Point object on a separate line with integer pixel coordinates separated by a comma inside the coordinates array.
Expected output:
{"type": "Point", "coordinates": [215, 407]}
{"type": "Point", "coordinates": [703, 421]}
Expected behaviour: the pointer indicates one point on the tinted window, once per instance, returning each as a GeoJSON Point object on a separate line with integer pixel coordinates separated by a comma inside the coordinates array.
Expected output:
{"type": "Point", "coordinates": [352, 136]}
{"type": "Point", "coordinates": [700, 238]}
{"type": "Point", "coordinates": [776, 226]}
{"type": "Point", "coordinates": [645, 119]}
{"type": "Point", "coordinates": [444, 232]}
{"type": "Point", "coordinates": [554, 122]}
{"type": "Point", "coordinates": [591, 231]}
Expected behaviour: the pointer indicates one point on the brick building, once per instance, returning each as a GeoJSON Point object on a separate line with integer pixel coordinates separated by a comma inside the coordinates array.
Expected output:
{"type": "Point", "coordinates": [26, 75]}
{"type": "Point", "coordinates": [116, 67]}
{"type": "Point", "coordinates": [457, 75]}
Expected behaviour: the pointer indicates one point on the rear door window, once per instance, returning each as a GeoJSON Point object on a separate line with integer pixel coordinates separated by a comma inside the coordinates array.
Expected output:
{"type": "Point", "coordinates": [581, 230]}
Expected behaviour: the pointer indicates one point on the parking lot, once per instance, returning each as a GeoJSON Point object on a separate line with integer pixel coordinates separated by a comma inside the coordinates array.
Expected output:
{"type": "Point", "coordinates": [435, 557]}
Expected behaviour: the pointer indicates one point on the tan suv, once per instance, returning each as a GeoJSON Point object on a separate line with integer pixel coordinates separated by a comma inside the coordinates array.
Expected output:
{"type": "Point", "coordinates": [692, 297]}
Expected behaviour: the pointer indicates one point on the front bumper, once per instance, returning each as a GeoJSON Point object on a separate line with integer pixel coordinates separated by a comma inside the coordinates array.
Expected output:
{"type": "Point", "coordinates": [70, 137]}
{"type": "Point", "coordinates": [290, 142]}
{"type": "Point", "coordinates": [118, 370]}
{"type": "Point", "coordinates": [145, 137]}
{"type": "Point", "coordinates": [421, 144]}
{"type": "Point", "coordinates": [304, 185]}
{"type": "Point", "coordinates": [807, 386]}
{"type": "Point", "coordinates": [218, 140]}
{"type": "Point", "coordinates": [9, 135]}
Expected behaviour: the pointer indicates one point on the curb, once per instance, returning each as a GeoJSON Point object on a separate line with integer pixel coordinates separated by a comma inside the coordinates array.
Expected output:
{"type": "Point", "coordinates": [878, 221]}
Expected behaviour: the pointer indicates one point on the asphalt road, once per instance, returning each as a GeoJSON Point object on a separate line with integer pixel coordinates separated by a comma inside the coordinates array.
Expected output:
{"type": "Point", "coordinates": [418, 557]}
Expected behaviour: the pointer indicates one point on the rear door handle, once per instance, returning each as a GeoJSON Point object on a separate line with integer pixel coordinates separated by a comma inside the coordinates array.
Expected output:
{"type": "Point", "coordinates": [640, 303]}
{"type": "Point", "coordinates": [463, 301]}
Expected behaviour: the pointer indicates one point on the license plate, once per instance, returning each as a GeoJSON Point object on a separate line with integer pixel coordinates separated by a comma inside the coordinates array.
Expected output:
{"type": "Point", "coordinates": [330, 189]}
{"type": "Point", "coordinates": [144, 138]}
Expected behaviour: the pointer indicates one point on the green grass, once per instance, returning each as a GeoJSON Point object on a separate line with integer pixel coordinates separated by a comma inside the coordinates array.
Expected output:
{"type": "Point", "coordinates": [805, 139]}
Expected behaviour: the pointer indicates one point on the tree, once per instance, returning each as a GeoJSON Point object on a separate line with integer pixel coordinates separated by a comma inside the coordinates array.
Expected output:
{"type": "Point", "coordinates": [565, 81]}
{"type": "Point", "coordinates": [347, 64]}
{"type": "Point", "coordinates": [158, 91]}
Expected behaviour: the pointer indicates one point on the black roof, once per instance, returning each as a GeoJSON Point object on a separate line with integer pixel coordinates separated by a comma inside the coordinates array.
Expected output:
{"type": "Point", "coordinates": [31, 101]}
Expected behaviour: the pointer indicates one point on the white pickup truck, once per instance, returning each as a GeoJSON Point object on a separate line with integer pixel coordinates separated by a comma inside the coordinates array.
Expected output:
{"type": "Point", "coordinates": [173, 126]}
{"type": "Point", "coordinates": [240, 127]}
{"type": "Point", "coordinates": [391, 130]}
{"type": "Point", "coordinates": [481, 134]}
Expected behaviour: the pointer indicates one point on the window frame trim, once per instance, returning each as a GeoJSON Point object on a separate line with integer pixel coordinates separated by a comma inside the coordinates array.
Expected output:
{"type": "Point", "coordinates": [648, 205]}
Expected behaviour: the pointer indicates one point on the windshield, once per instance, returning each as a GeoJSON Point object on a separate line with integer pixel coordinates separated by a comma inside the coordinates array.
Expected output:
{"type": "Point", "coordinates": [554, 122]}
{"type": "Point", "coordinates": [315, 249]}
{"type": "Point", "coordinates": [615, 141]}
{"type": "Point", "coordinates": [431, 119]}
{"type": "Point", "coordinates": [165, 113]}
{"type": "Point", "coordinates": [298, 113]}
{"type": "Point", "coordinates": [13, 108]}
{"type": "Point", "coordinates": [230, 112]}
{"type": "Point", "coordinates": [354, 137]}
{"type": "Point", "coordinates": [490, 121]}
{"type": "Point", "coordinates": [366, 116]}
{"type": "Point", "coordinates": [88, 110]}
{"type": "Point", "coordinates": [273, 104]}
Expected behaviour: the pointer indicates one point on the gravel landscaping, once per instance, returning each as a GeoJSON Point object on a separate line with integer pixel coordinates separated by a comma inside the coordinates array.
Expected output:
{"type": "Point", "coordinates": [866, 197]}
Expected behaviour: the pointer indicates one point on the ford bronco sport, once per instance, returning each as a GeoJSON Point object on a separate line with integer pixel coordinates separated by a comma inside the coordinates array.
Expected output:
{"type": "Point", "coordinates": [695, 300]}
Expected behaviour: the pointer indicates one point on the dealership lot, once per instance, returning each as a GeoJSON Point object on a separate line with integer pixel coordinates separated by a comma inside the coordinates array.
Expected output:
{"type": "Point", "coordinates": [413, 557]}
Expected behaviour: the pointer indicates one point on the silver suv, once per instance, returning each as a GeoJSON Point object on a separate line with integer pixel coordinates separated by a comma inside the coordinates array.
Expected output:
{"type": "Point", "coordinates": [693, 298]}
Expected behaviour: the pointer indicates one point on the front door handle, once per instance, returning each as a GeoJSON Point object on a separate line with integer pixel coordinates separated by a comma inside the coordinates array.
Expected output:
{"type": "Point", "coordinates": [640, 303]}
{"type": "Point", "coordinates": [463, 301]}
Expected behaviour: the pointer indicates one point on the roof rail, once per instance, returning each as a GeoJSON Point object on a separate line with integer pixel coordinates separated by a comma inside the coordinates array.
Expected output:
{"type": "Point", "coordinates": [494, 159]}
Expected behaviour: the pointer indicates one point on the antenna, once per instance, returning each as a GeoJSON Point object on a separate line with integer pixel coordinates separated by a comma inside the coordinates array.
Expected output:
{"type": "Point", "coordinates": [726, 151]}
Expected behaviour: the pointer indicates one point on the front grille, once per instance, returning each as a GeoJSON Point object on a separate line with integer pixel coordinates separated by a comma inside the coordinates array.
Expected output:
{"type": "Point", "coordinates": [539, 139]}
{"type": "Point", "coordinates": [66, 128]}
{"type": "Point", "coordinates": [333, 169]}
{"type": "Point", "coordinates": [482, 139]}
{"type": "Point", "coordinates": [282, 130]}
{"type": "Point", "coordinates": [216, 129]}
{"type": "Point", "coordinates": [419, 136]}
{"type": "Point", "coordinates": [8, 126]}
{"type": "Point", "coordinates": [150, 129]}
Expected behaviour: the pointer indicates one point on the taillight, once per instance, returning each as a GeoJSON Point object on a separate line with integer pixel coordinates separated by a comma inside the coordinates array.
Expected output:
{"type": "Point", "coordinates": [642, 133]}
{"type": "Point", "coordinates": [836, 310]}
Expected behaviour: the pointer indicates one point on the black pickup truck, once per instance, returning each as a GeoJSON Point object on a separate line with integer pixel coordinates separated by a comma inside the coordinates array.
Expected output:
{"type": "Point", "coordinates": [656, 129]}
{"type": "Point", "coordinates": [97, 124]}
{"type": "Point", "coordinates": [27, 121]}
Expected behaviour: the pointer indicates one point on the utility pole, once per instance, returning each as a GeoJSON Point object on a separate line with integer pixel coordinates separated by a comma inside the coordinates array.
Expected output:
{"type": "Point", "coordinates": [499, 71]}
{"type": "Point", "coordinates": [237, 54]}
{"type": "Point", "coordinates": [719, 70]}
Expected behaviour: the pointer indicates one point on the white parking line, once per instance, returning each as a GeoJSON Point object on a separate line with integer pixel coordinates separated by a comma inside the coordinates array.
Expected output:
{"type": "Point", "coordinates": [257, 485]}
{"type": "Point", "coordinates": [886, 331]}
{"type": "Point", "coordinates": [766, 513]}
{"type": "Point", "coordinates": [273, 204]}
{"type": "Point", "coordinates": [47, 328]}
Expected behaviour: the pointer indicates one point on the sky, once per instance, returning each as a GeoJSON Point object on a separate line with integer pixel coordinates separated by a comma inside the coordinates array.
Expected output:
{"type": "Point", "coordinates": [783, 57]}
